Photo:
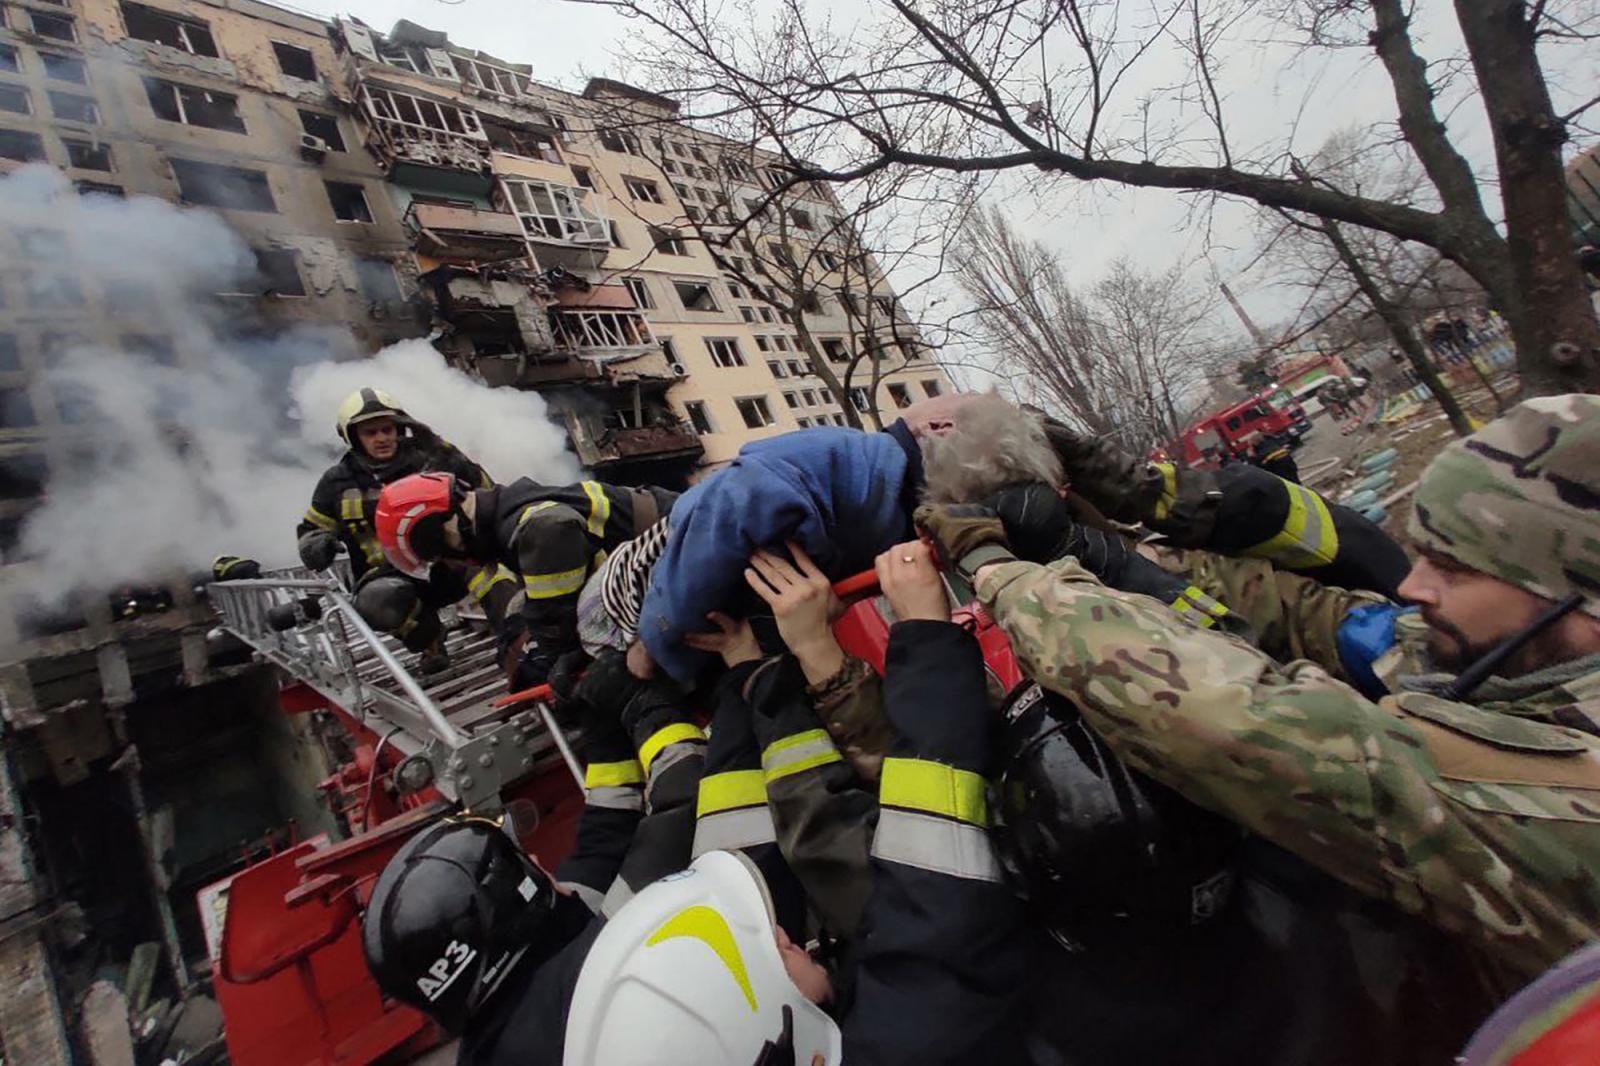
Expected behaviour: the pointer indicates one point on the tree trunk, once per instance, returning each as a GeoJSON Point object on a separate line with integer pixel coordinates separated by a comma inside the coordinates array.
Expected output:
{"type": "Point", "coordinates": [1395, 318]}
{"type": "Point", "coordinates": [1553, 322]}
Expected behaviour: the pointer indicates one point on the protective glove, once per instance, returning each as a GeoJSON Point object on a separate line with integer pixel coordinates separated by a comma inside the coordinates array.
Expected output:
{"type": "Point", "coordinates": [965, 535]}
{"type": "Point", "coordinates": [603, 734]}
{"type": "Point", "coordinates": [564, 674]}
{"type": "Point", "coordinates": [533, 668]}
{"type": "Point", "coordinates": [641, 707]}
{"type": "Point", "coordinates": [317, 549]}
{"type": "Point", "coordinates": [1120, 484]}
{"type": "Point", "coordinates": [1040, 527]}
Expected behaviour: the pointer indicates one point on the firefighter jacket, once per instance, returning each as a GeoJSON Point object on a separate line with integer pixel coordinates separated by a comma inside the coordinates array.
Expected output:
{"type": "Point", "coordinates": [636, 826]}
{"type": "Point", "coordinates": [554, 537]}
{"type": "Point", "coordinates": [346, 496]}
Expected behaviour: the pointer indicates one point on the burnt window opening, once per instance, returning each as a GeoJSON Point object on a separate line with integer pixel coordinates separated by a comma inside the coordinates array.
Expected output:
{"type": "Point", "coordinates": [8, 59]}
{"type": "Point", "coordinates": [835, 351]}
{"type": "Point", "coordinates": [695, 295]}
{"type": "Point", "coordinates": [295, 61]}
{"type": "Point", "coordinates": [215, 185]}
{"type": "Point", "coordinates": [98, 188]}
{"type": "Point", "coordinates": [699, 418]}
{"type": "Point", "coordinates": [378, 281]}
{"type": "Point", "coordinates": [14, 98]}
{"type": "Point", "coordinates": [640, 291]}
{"type": "Point", "coordinates": [152, 346]}
{"type": "Point", "coordinates": [87, 155]}
{"type": "Point", "coordinates": [280, 272]}
{"type": "Point", "coordinates": [16, 410]}
{"type": "Point", "coordinates": [22, 477]}
{"type": "Point", "coordinates": [70, 107]}
{"type": "Point", "coordinates": [618, 141]}
{"type": "Point", "coordinates": [529, 144]}
{"type": "Point", "coordinates": [900, 395]}
{"type": "Point", "coordinates": [349, 201]}
{"type": "Point", "coordinates": [159, 27]}
{"type": "Point", "coordinates": [643, 189]}
{"type": "Point", "coordinates": [325, 126]}
{"type": "Point", "coordinates": [755, 412]}
{"type": "Point", "coordinates": [10, 357]}
{"type": "Point", "coordinates": [667, 242]}
{"type": "Point", "coordinates": [58, 67]}
{"type": "Point", "coordinates": [193, 106]}
{"type": "Point", "coordinates": [583, 177]}
{"type": "Point", "coordinates": [55, 27]}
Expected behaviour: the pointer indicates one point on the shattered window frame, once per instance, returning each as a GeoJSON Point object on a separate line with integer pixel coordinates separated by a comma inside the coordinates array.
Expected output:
{"type": "Point", "coordinates": [298, 55]}
{"type": "Point", "coordinates": [48, 25]}
{"type": "Point", "coordinates": [211, 184]}
{"type": "Point", "coordinates": [328, 128]}
{"type": "Point", "coordinates": [394, 107]}
{"type": "Point", "coordinates": [472, 72]}
{"type": "Point", "coordinates": [279, 270]}
{"type": "Point", "coordinates": [186, 34]}
{"type": "Point", "coordinates": [696, 295]}
{"type": "Point", "coordinates": [176, 101]}
{"type": "Point", "coordinates": [23, 146]}
{"type": "Point", "coordinates": [667, 241]}
{"type": "Point", "coordinates": [699, 417]}
{"type": "Point", "coordinates": [642, 189]}
{"type": "Point", "coordinates": [379, 281]}
{"type": "Point", "coordinates": [757, 406]}
{"type": "Point", "coordinates": [640, 291]}
{"type": "Point", "coordinates": [55, 63]}
{"type": "Point", "coordinates": [344, 195]}
{"type": "Point", "coordinates": [62, 105]}
{"type": "Point", "coordinates": [88, 154]}
{"type": "Point", "coordinates": [725, 352]}
{"type": "Point", "coordinates": [548, 211]}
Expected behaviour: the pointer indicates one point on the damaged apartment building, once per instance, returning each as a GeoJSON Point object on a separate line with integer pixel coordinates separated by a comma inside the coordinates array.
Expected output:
{"type": "Point", "coordinates": [391, 185]}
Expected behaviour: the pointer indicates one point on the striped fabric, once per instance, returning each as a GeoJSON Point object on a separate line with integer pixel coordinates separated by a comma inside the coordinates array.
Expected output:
{"type": "Point", "coordinates": [626, 575]}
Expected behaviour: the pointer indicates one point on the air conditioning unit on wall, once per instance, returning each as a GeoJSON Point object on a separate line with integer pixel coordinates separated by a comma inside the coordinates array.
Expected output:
{"type": "Point", "coordinates": [678, 370]}
{"type": "Point", "coordinates": [313, 148]}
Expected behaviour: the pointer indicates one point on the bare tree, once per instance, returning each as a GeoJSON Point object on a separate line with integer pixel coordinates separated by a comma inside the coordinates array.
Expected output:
{"type": "Point", "coordinates": [970, 86]}
{"type": "Point", "coordinates": [1122, 359]}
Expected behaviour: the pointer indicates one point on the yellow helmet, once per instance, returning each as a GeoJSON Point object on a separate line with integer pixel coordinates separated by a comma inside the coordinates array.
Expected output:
{"type": "Point", "coordinates": [365, 404]}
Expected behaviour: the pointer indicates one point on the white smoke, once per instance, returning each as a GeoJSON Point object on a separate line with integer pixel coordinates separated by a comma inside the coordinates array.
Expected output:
{"type": "Point", "coordinates": [219, 453]}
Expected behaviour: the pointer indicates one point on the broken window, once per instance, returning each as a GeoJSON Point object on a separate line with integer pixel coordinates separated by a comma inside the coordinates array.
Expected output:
{"type": "Point", "coordinates": [618, 141]}
{"type": "Point", "coordinates": [70, 107]}
{"type": "Point", "coordinates": [859, 398]}
{"type": "Point", "coordinates": [554, 211]}
{"type": "Point", "coordinates": [22, 477]}
{"type": "Point", "coordinates": [725, 352]}
{"type": "Point", "coordinates": [14, 98]}
{"type": "Point", "coordinates": [188, 35]}
{"type": "Point", "coordinates": [8, 59]}
{"type": "Point", "coordinates": [642, 189]}
{"type": "Point", "coordinates": [295, 61]}
{"type": "Point", "coordinates": [529, 144]}
{"type": "Point", "coordinates": [16, 410]}
{"type": "Point", "coordinates": [10, 358]}
{"type": "Point", "coordinates": [755, 412]}
{"type": "Point", "coordinates": [699, 418]}
{"type": "Point", "coordinates": [931, 388]}
{"type": "Point", "coordinates": [349, 201]}
{"type": "Point", "coordinates": [667, 242]}
{"type": "Point", "coordinates": [325, 126]}
{"type": "Point", "coordinates": [64, 68]}
{"type": "Point", "coordinates": [98, 188]}
{"type": "Point", "coordinates": [695, 295]}
{"type": "Point", "coordinates": [583, 177]}
{"type": "Point", "coordinates": [56, 27]}
{"type": "Point", "coordinates": [900, 395]}
{"type": "Point", "coordinates": [491, 78]}
{"type": "Point", "coordinates": [377, 279]}
{"type": "Point", "coordinates": [54, 292]}
{"type": "Point", "coordinates": [215, 185]}
{"type": "Point", "coordinates": [280, 271]}
{"type": "Point", "coordinates": [194, 106]}
{"type": "Point", "coordinates": [416, 111]}
{"type": "Point", "coordinates": [640, 291]}
{"type": "Point", "coordinates": [835, 351]}
{"type": "Point", "coordinates": [87, 155]}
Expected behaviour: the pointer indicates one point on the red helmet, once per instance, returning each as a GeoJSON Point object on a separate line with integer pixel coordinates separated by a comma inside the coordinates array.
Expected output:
{"type": "Point", "coordinates": [411, 515]}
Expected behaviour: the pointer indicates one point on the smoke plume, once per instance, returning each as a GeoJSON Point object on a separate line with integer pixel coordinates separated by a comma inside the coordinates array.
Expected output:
{"type": "Point", "coordinates": [171, 459]}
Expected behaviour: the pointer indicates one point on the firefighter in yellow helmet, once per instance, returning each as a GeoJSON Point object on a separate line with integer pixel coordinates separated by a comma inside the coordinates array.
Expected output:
{"type": "Point", "coordinates": [385, 444]}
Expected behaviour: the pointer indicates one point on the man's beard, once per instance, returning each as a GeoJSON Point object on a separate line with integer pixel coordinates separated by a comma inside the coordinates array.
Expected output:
{"type": "Point", "coordinates": [1451, 651]}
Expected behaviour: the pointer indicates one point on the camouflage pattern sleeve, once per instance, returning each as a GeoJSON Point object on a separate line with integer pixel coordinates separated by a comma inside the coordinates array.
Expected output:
{"type": "Point", "coordinates": [1484, 824]}
{"type": "Point", "coordinates": [1293, 617]}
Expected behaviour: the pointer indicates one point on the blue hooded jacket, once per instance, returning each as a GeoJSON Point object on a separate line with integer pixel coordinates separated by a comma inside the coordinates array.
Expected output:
{"type": "Point", "coordinates": [843, 495]}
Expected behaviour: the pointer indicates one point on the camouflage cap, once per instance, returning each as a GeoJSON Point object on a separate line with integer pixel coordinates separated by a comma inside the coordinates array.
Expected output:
{"type": "Point", "coordinates": [1520, 499]}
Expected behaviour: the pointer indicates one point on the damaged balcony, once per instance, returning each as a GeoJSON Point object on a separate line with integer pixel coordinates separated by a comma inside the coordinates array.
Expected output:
{"type": "Point", "coordinates": [426, 143]}
{"type": "Point", "coordinates": [562, 222]}
{"type": "Point", "coordinates": [600, 324]}
{"type": "Point", "coordinates": [634, 442]}
{"type": "Point", "coordinates": [448, 231]}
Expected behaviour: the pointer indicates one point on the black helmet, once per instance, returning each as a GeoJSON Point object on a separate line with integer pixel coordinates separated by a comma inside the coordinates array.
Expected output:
{"type": "Point", "coordinates": [452, 914]}
{"type": "Point", "coordinates": [1103, 854]}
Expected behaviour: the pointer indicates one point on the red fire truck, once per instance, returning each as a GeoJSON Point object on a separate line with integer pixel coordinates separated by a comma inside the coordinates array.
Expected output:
{"type": "Point", "coordinates": [1234, 431]}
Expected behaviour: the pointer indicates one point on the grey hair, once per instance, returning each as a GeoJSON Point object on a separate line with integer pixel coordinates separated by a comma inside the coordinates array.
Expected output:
{"type": "Point", "coordinates": [994, 444]}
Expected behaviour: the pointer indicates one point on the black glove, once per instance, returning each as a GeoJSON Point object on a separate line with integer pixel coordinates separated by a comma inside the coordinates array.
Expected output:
{"type": "Point", "coordinates": [1038, 523]}
{"type": "Point", "coordinates": [533, 668]}
{"type": "Point", "coordinates": [642, 707]}
{"type": "Point", "coordinates": [565, 672]}
{"type": "Point", "coordinates": [602, 697]}
{"type": "Point", "coordinates": [317, 549]}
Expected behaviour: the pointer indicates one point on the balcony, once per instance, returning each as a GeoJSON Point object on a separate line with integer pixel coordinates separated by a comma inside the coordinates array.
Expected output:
{"type": "Point", "coordinates": [652, 442]}
{"type": "Point", "coordinates": [601, 324]}
{"type": "Point", "coordinates": [424, 143]}
{"type": "Point", "coordinates": [449, 232]}
{"type": "Point", "coordinates": [562, 222]}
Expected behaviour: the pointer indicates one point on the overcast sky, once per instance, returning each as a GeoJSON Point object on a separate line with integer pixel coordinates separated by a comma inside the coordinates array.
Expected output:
{"type": "Point", "coordinates": [1268, 90]}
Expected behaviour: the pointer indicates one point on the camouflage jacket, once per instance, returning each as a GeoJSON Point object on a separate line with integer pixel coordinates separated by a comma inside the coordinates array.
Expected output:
{"type": "Point", "coordinates": [1481, 819]}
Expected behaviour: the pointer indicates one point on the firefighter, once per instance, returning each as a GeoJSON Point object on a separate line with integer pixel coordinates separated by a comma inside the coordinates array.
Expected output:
{"type": "Point", "coordinates": [553, 536]}
{"type": "Point", "coordinates": [386, 444]}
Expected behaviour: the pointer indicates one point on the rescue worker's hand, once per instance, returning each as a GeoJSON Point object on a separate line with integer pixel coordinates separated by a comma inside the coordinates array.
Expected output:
{"type": "Point", "coordinates": [1038, 523]}
{"type": "Point", "coordinates": [801, 598]}
{"type": "Point", "coordinates": [733, 639]}
{"type": "Point", "coordinates": [604, 738]}
{"type": "Point", "coordinates": [966, 535]}
{"type": "Point", "coordinates": [564, 674]}
{"type": "Point", "coordinates": [533, 668]}
{"type": "Point", "coordinates": [912, 584]}
{"type": "Point", "coordinates": [317, 549]}
{"type": "Point", "coordinates": [607, 685]}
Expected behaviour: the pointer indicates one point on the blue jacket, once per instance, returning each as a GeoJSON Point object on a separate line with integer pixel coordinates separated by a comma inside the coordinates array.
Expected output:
{"type": "Point", "coordinates": [844, 496]}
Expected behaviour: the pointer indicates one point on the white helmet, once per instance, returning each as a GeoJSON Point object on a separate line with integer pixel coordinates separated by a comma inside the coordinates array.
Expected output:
{"type": "Point", "coordinates": [688, 974]}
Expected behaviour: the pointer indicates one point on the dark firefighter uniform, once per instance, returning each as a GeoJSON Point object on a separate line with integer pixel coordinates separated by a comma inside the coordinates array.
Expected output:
{"type": "Point", "coordinates": [554, 537]}
{"type": "Point", "coordinates": [343, 504]}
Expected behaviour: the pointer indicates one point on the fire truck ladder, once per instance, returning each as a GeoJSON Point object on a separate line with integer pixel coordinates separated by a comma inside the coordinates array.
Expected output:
{"type": "Point", "coordinates": [455, 728]}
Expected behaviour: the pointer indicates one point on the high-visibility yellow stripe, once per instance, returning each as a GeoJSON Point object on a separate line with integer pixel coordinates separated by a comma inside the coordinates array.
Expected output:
{"type": "Point", "coordinates": [667, 735]}
{"type": "Point", "coordinates": [729, 790]}
{"type": "Point", "coordinates": [1169, 490]}
{"type": "Point", "coordinates": [602, 774]}
{"type": "Point", "coordinates": [352, 507]}
{"type": "Point", "coordinates": [533, 509]}
{"type": "Point", "coordinates": [547, 586]}
{"type": "Point", "coordinates": [372, 549]}
{"type": "Point", "coordinates": [486, 579]}
{"type": "Point", "coordinates": [934, 788]}
{"type": "Point", "coordinates": [1307, 539]}
{"type": "Point", "coordinates": [599, 507]}
{"type": "Point", "coordinates": [320, 520]}
{"type": "Point", "coordinates": [798, 753]}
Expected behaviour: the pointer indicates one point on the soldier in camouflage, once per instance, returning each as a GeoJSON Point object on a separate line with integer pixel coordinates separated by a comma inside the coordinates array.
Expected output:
{"type": "Point", "coordinates": [1467, 797]}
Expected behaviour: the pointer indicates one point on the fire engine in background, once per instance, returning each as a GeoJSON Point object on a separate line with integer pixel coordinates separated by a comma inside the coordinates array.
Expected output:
{"type": "Point", "coordinates": [1272, 417]}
